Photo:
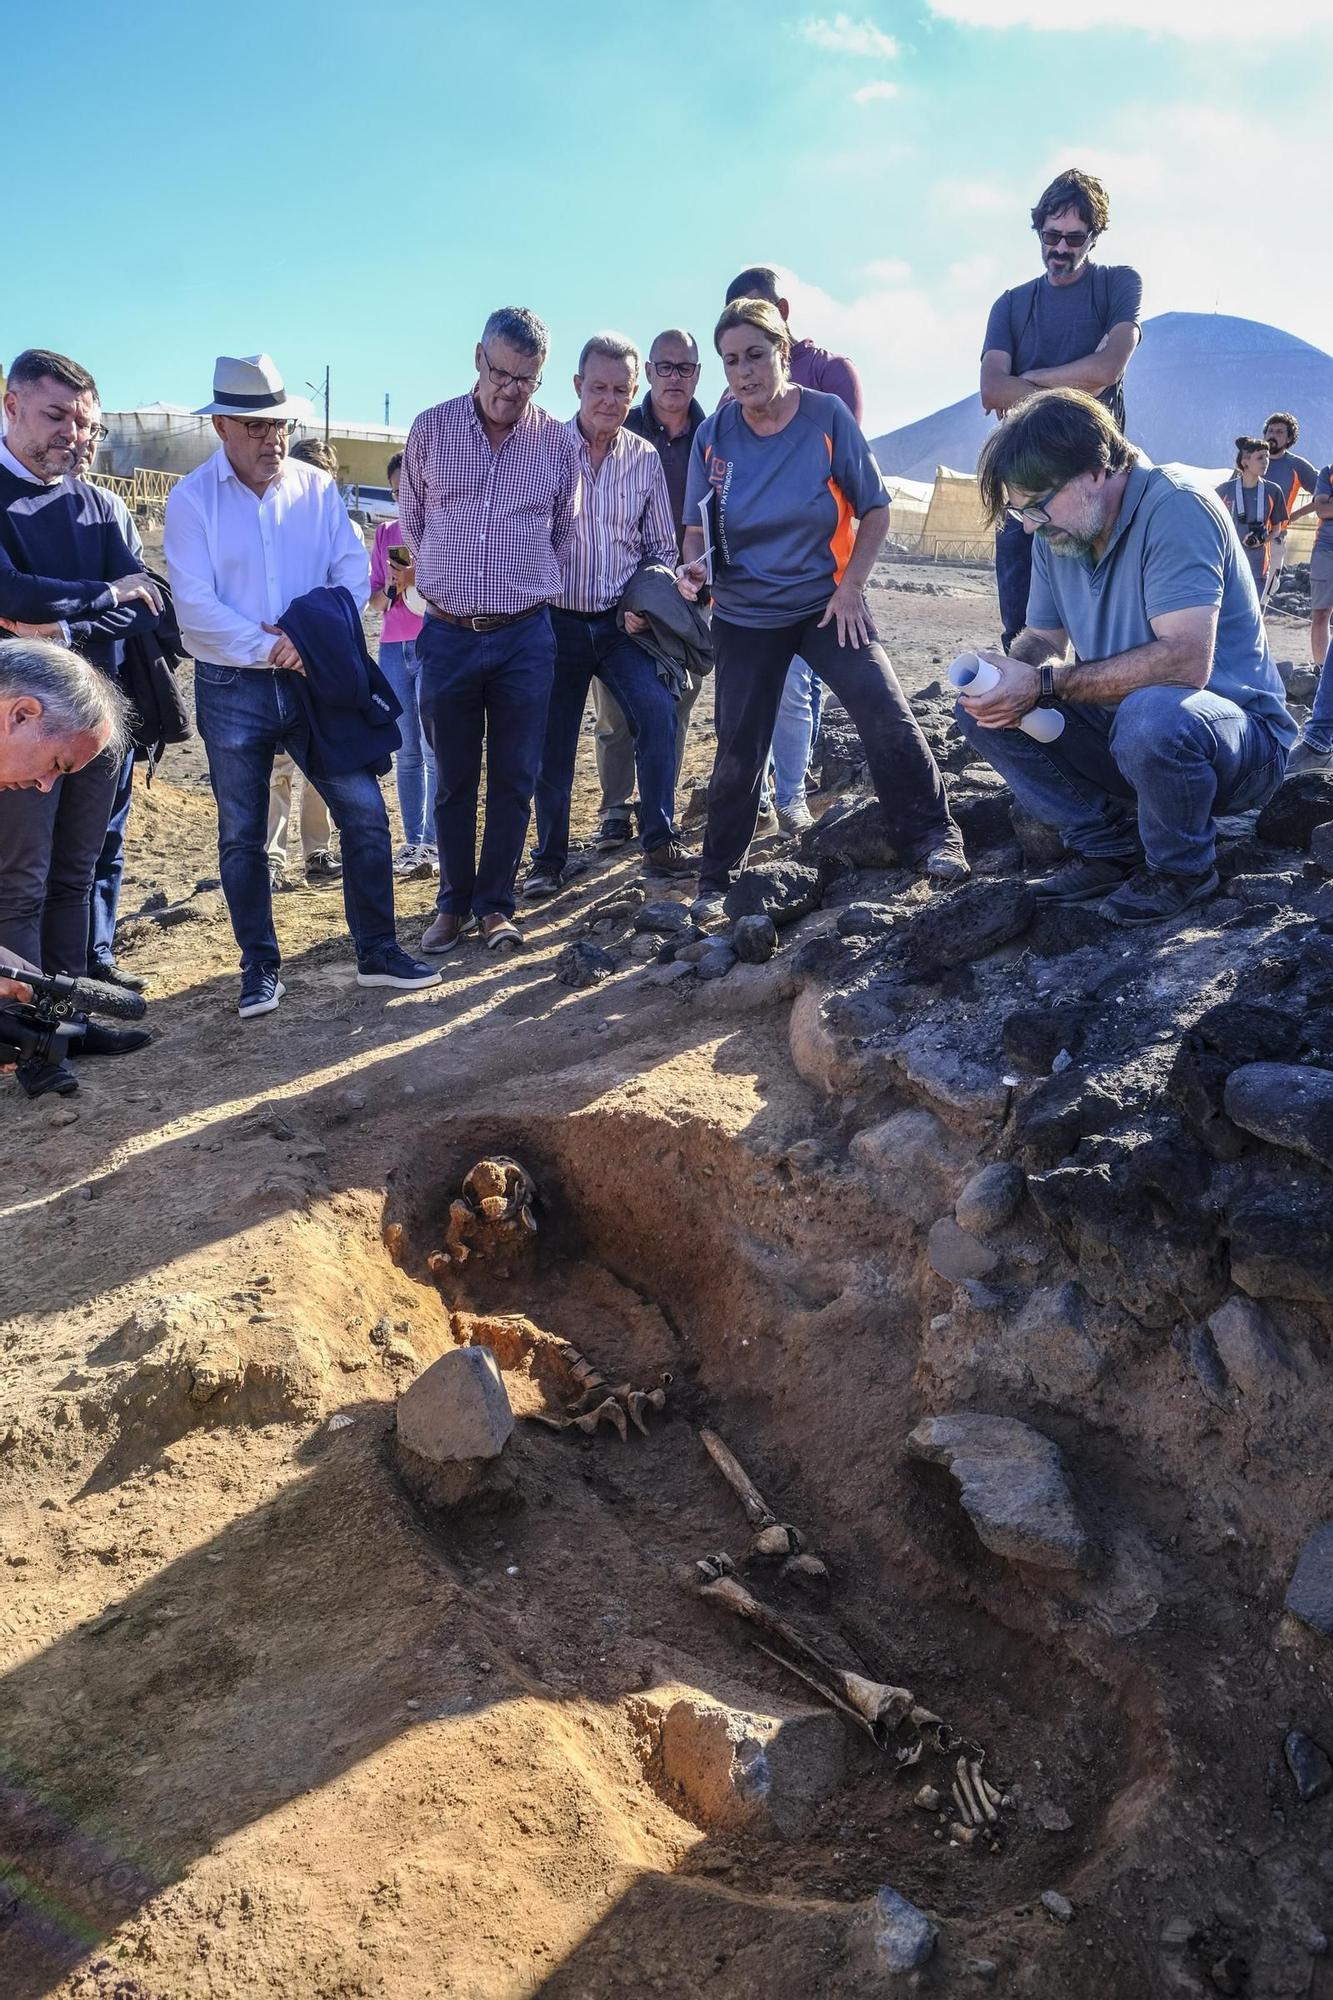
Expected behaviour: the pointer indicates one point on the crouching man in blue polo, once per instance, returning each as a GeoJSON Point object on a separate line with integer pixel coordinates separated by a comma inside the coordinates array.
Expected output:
{"type": "Point", "coordinates": [1172, 707]}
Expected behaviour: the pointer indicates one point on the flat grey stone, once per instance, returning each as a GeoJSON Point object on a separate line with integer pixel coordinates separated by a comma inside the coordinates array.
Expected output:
{"type": "Point", "coordinates": [1310, 1592]}
{"type": "Point", "coordinates": [1012, 1486]}
{"type": "Point", "coordinates": [954, 1254]}
{"type": "Point", "coordinates": [457, 1409]}
{"type": "Point", "coordinates": [1057, 1906]}
{"type": "Point", "coordinates": [1288, 1104]}
{"type": "Point", "coordinates": [1253, 1356]}
{"type": "Point", "coordinates": [990, 1198]}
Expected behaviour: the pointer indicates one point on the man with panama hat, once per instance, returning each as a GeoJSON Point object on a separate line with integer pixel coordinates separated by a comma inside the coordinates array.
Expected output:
{"type": "Point", "coordinates": [248, 533]}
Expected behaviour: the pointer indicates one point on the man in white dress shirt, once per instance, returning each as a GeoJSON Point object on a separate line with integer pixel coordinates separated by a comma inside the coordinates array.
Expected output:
{"type": "Point", "coordinates": [248, 532]}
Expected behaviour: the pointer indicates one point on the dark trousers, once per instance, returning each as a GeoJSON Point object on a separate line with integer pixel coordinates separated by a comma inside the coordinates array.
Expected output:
{"type": "Point", "coordinates": [588, 645]}
{"type": "Point", "coordinates": [245, 716]}
{"type": "Point", "coordinates": [1013, 578]}
{"type": "Point", "coordinates": [491, 688]}
{"type": "Point", "coordinates": [105, 899]}
{"type": "Point", "coordinates": [751, 670]}
{"type": "Point", "coordinates": [49, 844]}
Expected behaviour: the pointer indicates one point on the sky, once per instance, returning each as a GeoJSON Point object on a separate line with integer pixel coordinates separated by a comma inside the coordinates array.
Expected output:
{"type": "Point", "coordinates": [356, 187]}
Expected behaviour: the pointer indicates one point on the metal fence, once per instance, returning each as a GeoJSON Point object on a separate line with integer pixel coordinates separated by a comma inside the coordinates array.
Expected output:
{"type": "Point", "coordinates": [143, 491]}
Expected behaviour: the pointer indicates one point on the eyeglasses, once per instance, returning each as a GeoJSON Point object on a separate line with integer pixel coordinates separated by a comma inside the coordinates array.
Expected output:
{"type": "Point", "coordinates": [98, 434]}
{"type": "Point", "coordinates": [1034, 513]}
{"type": "Point", "coordinates": [502, 379]}
{"type": "Point", "coordinates": [1075, 238]}
{"type": "Point", "coordinates": [681, 370]}
{"type": "Point", "coordinates": [260, 428]}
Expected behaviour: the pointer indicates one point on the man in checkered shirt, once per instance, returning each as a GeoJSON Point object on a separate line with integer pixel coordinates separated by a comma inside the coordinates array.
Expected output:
{"type": "Point", "coordinates": [485, 498]}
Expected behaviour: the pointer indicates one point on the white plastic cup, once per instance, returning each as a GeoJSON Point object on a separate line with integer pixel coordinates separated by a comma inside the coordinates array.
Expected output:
{"type": "Point", "coordinates": [970, 674]}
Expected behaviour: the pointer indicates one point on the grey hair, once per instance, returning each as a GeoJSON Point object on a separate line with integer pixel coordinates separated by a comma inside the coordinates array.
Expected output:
{"type": "Point", "coordinates": [76, 699]}
{"type": "Point", "coordinates": [614, 346]}
{"type": "Point", "coordinates": [677, 333]}
{"type": "Point", "coordinates": [518, 328]}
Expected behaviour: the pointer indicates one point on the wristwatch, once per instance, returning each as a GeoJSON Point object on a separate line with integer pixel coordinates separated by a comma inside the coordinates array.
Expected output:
{"type": "Point", "coordinates": [1046, 695]}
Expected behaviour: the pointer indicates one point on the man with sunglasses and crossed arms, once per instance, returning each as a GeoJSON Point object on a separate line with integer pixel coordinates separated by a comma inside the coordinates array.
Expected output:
{"type": "Point", "coordinates": [1172, 708]}
{"type": "Point", "coordinates": [1075, 327]}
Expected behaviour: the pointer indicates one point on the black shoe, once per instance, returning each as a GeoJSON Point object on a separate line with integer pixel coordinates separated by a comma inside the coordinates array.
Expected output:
{"type": "Point", "coordinates": [116, 975]}
{"type": "Point", "coordinates": [539, 885]}
{"type": "Point", "coordinates": [39, 1079]}
{"type": "Point", "coordinates": [97, 1040]}
{"type": "Point", "coordinates": [1151, 898]}
{"type": "Point", "coordinates": [616, 830]}
{"type": "Point", "coordinates": [670, 860]}
{"type": "Point", "coordinates": [321, 867]}
{"type": "Point", "coordinates": [1082, 880]}
{"type": "Point", "coordinates": [261, 990]}
{"type": "Point", "coordinates": [395, 967]}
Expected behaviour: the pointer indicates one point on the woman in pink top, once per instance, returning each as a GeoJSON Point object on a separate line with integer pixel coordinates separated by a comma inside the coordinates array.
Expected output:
{"type": "Point", "coordinates": [414, 766]}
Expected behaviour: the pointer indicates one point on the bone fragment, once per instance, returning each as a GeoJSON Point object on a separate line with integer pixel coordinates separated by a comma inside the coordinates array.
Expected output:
{"type": "Point", "coordinates": [757, 1510]}
{"type": "Point", "coordinates": [879, 1708]}
{"type": "Point", "coordinates": [772, 1544]}
{"type": "Point", "coordinates": [974, 1814]}
{"type": "Point", "coordinates": [710, 1568]}
{"type": "Point", "coordinates": [927, 1798]}
{"type": "Point", "coordinates": [805, 1569]}
{"type": "Point", "coordinates": [979, 1791]}
{"type": "Point", "coordinates": [993, 1793]}
{"type": "Point", "coordinates": [962, 1835]}
{"type": "Point", "coordinates": [964, 1811]}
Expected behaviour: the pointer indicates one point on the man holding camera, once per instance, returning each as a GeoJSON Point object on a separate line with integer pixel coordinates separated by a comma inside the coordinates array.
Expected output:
{"type": "Point", "coordinates": [1075, 327]}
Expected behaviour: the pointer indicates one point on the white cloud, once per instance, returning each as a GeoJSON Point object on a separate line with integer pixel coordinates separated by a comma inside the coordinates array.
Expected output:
{"type": "Point", "coordinates": [874, 93]}
{"type": "Point", "coordinates": [842, 36]}
{"type": "Point", "coordinates": [1189, 20]}
{"type": "Point", "coordinates": [888, 271]}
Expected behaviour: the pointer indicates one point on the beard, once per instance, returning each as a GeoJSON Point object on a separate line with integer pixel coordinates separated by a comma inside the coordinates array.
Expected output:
{"type": "Point", "coordinates": [1067, 545]}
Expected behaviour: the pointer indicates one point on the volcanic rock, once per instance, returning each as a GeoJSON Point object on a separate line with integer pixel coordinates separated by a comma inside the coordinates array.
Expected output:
{"type": "Point", "coordinates": [782, 890]}
{"type": "Point", "coordinates": [1298, 806]}
{"type": "Point", "coordinates": [1012, 1486]}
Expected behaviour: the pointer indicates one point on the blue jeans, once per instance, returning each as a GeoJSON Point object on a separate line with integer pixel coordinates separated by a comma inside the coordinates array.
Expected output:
{"type": "Point", "coordinates": [1013, 578]}
{"type": "Point", "coordinates": [245, 715]}
{"type": "Point", "coordinates": [588, 645]}
{"type": "Point", "coordinates": [794, 731]}
{"type": "Point", "coordinates": [1144, 778]}
{"type": "Point", "coordinates": [414, 766]}
{"type": "Point", "coordinates": [490, 687]}
{"type": "Point", "coordinates": [105, 899]}
{"type": "Point", "coordinates": [1318, 731]}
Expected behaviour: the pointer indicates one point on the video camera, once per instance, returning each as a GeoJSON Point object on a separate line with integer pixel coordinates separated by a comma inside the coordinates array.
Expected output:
{"type": "Point", "coordinates": [41, 1029]}
{"type": "Point", "coordinates": [1255, 535]}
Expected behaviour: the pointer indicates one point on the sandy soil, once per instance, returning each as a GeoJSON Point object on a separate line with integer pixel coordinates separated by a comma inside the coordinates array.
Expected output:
{"type": "Point", "coordinates": [266, 1727]}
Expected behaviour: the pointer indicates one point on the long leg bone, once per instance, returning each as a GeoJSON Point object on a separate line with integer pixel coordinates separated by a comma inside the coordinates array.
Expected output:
{"type": "Point", "coordinates": [881, 1710]}
{"type": "Point", "coordinates": [773, 1540]}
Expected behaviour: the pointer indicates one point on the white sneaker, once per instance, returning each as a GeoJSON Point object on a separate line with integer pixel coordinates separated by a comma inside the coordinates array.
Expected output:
{"type": "Point", "coordinates": [405, 860]}
{"type": "Point", "coordinates": [795, 817]}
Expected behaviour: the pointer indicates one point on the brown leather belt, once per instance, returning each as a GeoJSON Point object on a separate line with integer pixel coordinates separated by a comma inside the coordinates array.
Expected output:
{"type": "Point", "coordinates": [489, 623]}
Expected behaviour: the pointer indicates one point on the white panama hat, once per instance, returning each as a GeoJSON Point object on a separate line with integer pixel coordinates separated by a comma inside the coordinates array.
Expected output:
{"type": "Point", "coordinates": [250, 386]}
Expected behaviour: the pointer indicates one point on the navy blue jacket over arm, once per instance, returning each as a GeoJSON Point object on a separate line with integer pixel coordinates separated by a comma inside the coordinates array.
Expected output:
{"type": "Point", "coordinates": [351, 712]}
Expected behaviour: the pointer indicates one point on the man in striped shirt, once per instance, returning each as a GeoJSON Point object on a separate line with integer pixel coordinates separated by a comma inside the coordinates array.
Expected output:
{"type": "Point", "coordinates": [622, 519]}
{"type": "Point", "coordinates": [485, 505]}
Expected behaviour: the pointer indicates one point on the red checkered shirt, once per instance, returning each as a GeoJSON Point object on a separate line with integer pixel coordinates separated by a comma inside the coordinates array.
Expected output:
{"type": "Point", "coordinates": [488, 528]}
{"type": "Point", "coordinates": [622, 518]}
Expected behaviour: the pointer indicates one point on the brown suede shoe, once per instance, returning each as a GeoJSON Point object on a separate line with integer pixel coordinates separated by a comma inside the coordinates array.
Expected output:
{"type": "Point", "coordinates": [445, 933]}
